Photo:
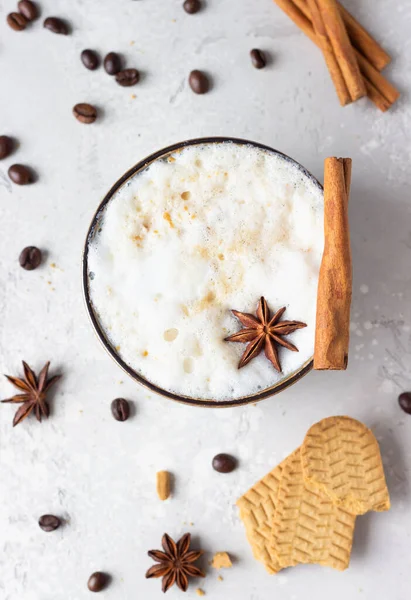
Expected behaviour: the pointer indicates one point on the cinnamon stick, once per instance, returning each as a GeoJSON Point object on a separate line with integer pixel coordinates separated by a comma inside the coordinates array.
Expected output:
{"type": "Point", "coordinates": [341, 44]}
{"type": "Point", "coordinates": [329, 55]}
{"type": "Point", "coordinates": [387, 92]}
{"type": "Point", "coordinates": [379, 91]}
{"type": "Point", "coordinates": [363, 41]}
{"type": "Point", "coordinates": [376, 96]}
{"type": "Point", "coordinates": [299, 13]}
{"type": "Point", "coordinates": [335, 279]}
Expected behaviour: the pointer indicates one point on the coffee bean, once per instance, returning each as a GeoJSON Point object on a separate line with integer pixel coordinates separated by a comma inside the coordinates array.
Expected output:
{"type": "Point", "coordinates": [20, 174]}
{"type": "Point", "coordinates": [85, 113]}
{"type": "Point", "coordinates": [17, 21]}
{"type": "Point", "coordinates": [90, 59]}
{"type": "Point", "coordinates": [128, 77]}
{"type": "Point", "coordinates": [30, 258]}
{"type": "Point", "coordinates": [97, 581]}
{"type": "Point", "coordinates": [120, 409]}
{"type": "Point", "coordinates": [28, 9]}
{"type": "Point", "coordinates": [6, 146]}
{"type": "Point", "coordinates": [404, 401]}
{"type": "Point", "coordinates": [258, 58]}
{"type": "Point", "coordinates": [112, 63]}
{"type": "Point", "coordinates": [49, 523]}
{"type": "Point", "coordinates": [192, 6]}
{"type": "Point", "coordinates": [56, 25]}
{"type": "Point", "coordinates": [224, 463]}
{"type": "Point", "coordinates": [198, 82]}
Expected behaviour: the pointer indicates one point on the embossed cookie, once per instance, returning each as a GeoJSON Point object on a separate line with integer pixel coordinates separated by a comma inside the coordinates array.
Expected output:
{"type": "Point", "coordinates": [307, 526]}
{"type": "Point", "coordinates": [341, 458]}
{"type": "Point", "coordinates": [257, 508]}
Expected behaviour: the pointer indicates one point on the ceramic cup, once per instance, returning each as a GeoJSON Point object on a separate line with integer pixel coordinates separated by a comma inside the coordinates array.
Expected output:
{"type": "Point", "coordinates": [229, 402]}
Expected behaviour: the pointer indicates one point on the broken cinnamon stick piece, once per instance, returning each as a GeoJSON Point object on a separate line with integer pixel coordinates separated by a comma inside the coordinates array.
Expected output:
{"type": "Point", "coordinates": [163, 485]}
{"type": "Point", "coordinates": [329, 55]}
{"type": "Point", "coordinates": [343, 50]}
{"type": "Point", "coordinates": [335, 279]}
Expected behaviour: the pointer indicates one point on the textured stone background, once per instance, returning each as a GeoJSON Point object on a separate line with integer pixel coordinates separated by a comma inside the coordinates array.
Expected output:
{"type": "Point", "coordinates": [99, 474]}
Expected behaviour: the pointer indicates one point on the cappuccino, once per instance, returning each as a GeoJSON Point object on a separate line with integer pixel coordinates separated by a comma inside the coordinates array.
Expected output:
{"type": "Point", "coordinates": [206, 229]}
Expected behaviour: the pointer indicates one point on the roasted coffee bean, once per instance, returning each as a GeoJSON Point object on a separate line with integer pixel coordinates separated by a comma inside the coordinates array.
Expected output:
{"type": "Point", "coordinates": [97, 581]}
{"type": "Point", "coordinates": [49, 523]}
{"type": "Point", "coordinates": [20, 174]}
{"type": "Point", "coordinates": [112, 63]}
{"type": "Point", "coordinates": [28, 9]}
{"type": "Point", "coordinates": [30, 258]}
{"type": "Point", "coordinates": [17, 21]}
{"type": "Point", "coordinates": [6, 146]}
{"type": "Point", "coordinates": [404, 401]}
{"type": "Point", "coordinates": [224, 463]}
{"type": "Point", "coordinates": [198, 82]}
{"type": "Point", "coordinates": [128, 77]}
{"type": "Point", "coordinates": [85, 113]}
{"type": "Point", "coordinates": [90, 59]}
{"type": "Point", "coordinates": [56, 25]}
{"type": "Point", "coordinates": [120, 409]}
{"type": "Point", "coordinates": [192, 6]}
{"type": "Point", "coordinates": [258, 58]}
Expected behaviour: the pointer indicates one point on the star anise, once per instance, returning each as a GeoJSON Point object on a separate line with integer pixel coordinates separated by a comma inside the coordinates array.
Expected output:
{"type": "Point", "coordinates": [34, 393]}
{"type": "Point", "coordinates": [264, 331]}
{"type": "Point", "coordinates": [175, 563]}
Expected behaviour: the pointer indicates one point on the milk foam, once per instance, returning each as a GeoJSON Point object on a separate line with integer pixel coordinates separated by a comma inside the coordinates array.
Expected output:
{"type": "Point", "coordinates": [209, 229]}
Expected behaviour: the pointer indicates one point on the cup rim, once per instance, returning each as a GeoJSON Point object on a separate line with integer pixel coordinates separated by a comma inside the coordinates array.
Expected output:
{"type": "Point", "coordinates": [142, 164]}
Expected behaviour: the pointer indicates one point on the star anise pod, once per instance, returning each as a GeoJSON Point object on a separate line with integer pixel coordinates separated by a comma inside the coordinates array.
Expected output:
{"type": "Point", "coordinates": [34, 393]}
{"type": "Point", "coordinates": [175, 563]}
{"type": "Point", "coordinates": [264, 331]}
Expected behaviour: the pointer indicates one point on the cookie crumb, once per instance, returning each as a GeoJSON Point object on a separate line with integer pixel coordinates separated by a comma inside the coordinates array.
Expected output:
{"type": "Point", "coordinates": [221, 560]}
{"type": "Point", "coordinates": [219, 578]}
{"type": "Point", "coordinates": [200, 592]}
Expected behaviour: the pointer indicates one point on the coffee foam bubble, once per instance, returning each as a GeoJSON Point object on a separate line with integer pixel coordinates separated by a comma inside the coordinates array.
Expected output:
{"type": "Point", "coordinates": [209, 229]}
